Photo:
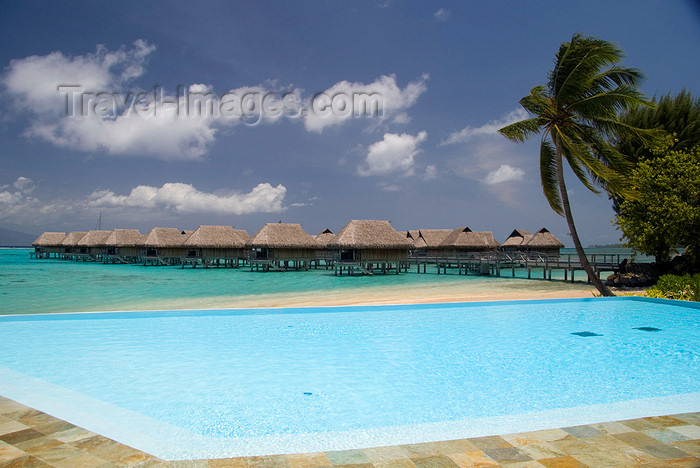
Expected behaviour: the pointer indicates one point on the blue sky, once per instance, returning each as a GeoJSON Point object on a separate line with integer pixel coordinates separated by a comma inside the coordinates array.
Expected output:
{"type": "Point", "coordinates": [448, 74]}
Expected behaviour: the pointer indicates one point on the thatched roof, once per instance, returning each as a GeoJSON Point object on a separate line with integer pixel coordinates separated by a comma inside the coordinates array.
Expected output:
{"type": "Point", "coordinates": [49, 239]}
{"type": "Point", "coordinates": [324, 236]}
{"type": "Point", "coordinates": [94, 238]}
{"type": "Point", "coordinates": [420, 243]}
{"type": "Point", "coordinates": [369, 234]}
{"type": "Point", "coordinates": [164, 237]}
{"type": "Point", "coordinates": [434, 237]}
{"type": "Point", "coordinates": [217, 237]}
{"type": "Point", "coordinates": [244, 234]}
{"type": "Point", "coordinates": [73, 238]}
{"type": "Point", "coordinates": [413, 235]}
{"type": "Point", "coordinates": [517, 238]}
{"type": "Point", "coordinates": [465, 238]}
{"type": "Point", "coordinates": [124, 238]}
{"type": "Point", "coordinates": [544, 239]}
{"type": "Point", "coordinates": [282, 236]}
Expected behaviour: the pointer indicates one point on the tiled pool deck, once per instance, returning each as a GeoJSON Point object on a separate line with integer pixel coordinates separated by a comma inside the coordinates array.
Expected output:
{"type": "Point", "coordinates": [31, 438]}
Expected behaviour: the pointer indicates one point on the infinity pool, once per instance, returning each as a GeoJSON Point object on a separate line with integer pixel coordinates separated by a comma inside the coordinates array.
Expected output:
{"type": "Point", "coordinates": [222, 383]}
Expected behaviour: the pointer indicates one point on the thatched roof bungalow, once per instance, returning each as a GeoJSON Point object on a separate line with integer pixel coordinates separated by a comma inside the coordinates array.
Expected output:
{"type": "Point", "coordinates": [464, 240]}
{"type": "Point", "coordinates": [414, 236]}
{"type": "Point", "coordinates": [91, 245]}
{"type": "Point", "coordinates": [214, 244]}
{"type": "Point", "coordinates": [433, 239]}
{"type": "Point", "coordinates": [281, 246]}
{"type": "Point", "coordinates": [371, 244]}
{"type": "Point", "coordinates": [541, 241]}
{"type": "Point", "coordinates": [323, 253]}
{"type": "Point", "coordinates": [163, 246]}
{"type": "Point", "coordinates": [123, 245]}
{"type": "Point", "coordinates": [70, 243]}
{"type": "Point", "coordinates": [544, 241]}
{"type": "Point", "coordinates": [516, 240]}
{"type": "Point", "coordinates": [49, 244]}
{"type": "Point", "coordinates": [323, 237]}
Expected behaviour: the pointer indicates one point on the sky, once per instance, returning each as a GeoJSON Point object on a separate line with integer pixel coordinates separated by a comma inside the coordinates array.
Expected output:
{"type": "Point", "coordinates": [180, 114]}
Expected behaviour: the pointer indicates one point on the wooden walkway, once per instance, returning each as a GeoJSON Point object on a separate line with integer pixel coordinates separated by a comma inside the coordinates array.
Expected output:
{"type": "Point", "coordinates": [494, 263]}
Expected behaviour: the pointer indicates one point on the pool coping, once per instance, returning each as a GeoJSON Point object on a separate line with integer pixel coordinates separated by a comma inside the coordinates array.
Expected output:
{"type": "Point", "coordinates": [33, 438]}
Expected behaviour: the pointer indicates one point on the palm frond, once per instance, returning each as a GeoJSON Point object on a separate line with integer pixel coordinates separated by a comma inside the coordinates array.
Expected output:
{"type": "Point", "coordinates": [614, 128]}
{"type": "Point", "coordinates": [574, 150]}
{"type": "Point", "coordinates": [522, 130]}
{"type": "Point", "coordinates": [608, 103]}
{"type": "Point", "coordinates": [616, 76]}
{"type": "Point", "coordinates": [538, 103]}
{"type": "Point", "coordinates": [548, 176]}
{"type": "Point", "coordinates": [582, 60]}
{"type": "Point", "coordinates": [604, 175]}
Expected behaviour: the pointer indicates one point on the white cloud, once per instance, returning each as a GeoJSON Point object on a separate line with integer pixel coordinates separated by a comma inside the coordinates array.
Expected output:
{"type": "Point", "coordinates": [94, 111]}
{"type": "Point", "coordinates": [395, 153]}
{"type": "Point", "coordinates": [430, 172]}
{"type": "Point", "coordinates": [24, 184]}
{"type": "Point", "coordinates": [34, 80]}
{"type": "Point", "coordinates": [505, 173]}
{"type": "Point", "coordinates": [90, 103]}
{"type": "Point", "coordinates": [490, 128]}
{"type": "Point", "coordinates": [184, 198]}
{"type": "Point", "coordinates": [10, 199]}
{"type": "Point", "coordinates": [165, 136]}
{"type": "Point", "coordinates": [442, 15]}
{"type": "Point", "coordinates": [389, 187]}
{"type": "Point", "coordinates": [18, 205]}
{"type": "Point", "coordinates": [145, 204]}
{"type": "Point", "coordinates": [401, 118]}
{"type": "Point", "coordinates": [393, 100]}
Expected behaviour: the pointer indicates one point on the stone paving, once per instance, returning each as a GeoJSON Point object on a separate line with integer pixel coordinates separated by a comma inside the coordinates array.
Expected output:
{"type": "Point", "coordinates": [31, 438]}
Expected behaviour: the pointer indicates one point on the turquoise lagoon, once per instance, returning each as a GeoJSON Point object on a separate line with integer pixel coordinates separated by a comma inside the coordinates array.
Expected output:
{"type": "Point", "coordinates": [30, 286]}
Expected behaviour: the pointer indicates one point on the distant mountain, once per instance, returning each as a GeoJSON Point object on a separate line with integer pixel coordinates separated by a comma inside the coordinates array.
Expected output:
{"type": "Point", "coordinates": [9, 238]}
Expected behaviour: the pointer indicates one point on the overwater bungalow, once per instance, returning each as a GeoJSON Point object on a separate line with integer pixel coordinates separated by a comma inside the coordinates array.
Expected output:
{"type": "Point", "coordinates": [516, 240]}
{"type": "Point", "coordinates": [216, 246]}
{"type": "Point", "coordinates": [122, 246]}
{"type": "Point", "coordinates": [464, 241]}
{"type": "Point", "coordinates": [414, 236]}
{"type": "Point", "coordinates": [324, 255]}
{"type": "Point", "coordinates": [70, 244]}
{"type": "Point", "coordinates": [163, 246]}
{"type": "Point", "coordinates": [281, 246]}
{"type": "Point", "coordinates": [49, 245]}
{"type": "Point", "coordinates": [418, 249]}
{"type": "Point", "coordinates": [545, 242]}
{"type": "Point", "coordinates": [369, 246]}
{"type": "Point", "coordinates": [432, 240]}
{"type": "Point", "coordinates": [324, 236]}
{"type": "Point", "coordinates": [91, 246]}
{"type": "Point", "coordinates": [542, 241]}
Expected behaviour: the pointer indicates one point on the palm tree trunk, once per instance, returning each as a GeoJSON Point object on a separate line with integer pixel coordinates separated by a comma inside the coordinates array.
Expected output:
{"type": "Point", "coordinates": [592, 275]}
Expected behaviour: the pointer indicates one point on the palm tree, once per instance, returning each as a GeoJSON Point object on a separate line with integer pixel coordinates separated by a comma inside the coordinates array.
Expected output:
{"type": "Point", "coordinates": [577, 114]}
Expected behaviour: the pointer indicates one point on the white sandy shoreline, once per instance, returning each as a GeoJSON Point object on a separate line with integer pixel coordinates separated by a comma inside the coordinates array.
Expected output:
{"type": "Point", "coordinates": [381, 295]}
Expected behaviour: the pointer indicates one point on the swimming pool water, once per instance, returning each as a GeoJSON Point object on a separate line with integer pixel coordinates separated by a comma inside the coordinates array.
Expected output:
{"type": "Point", "coordinates": [232, 382]}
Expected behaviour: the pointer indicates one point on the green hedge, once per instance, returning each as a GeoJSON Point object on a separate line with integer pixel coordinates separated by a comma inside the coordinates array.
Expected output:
{"type": "Point", "coordinates": [685, 288]}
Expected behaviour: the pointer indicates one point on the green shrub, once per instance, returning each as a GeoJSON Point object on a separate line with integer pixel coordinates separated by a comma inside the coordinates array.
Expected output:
{"type": "Point", "coordinates": [685, 288]}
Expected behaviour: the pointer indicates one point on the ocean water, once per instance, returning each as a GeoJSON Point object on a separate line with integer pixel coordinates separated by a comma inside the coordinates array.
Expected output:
{"type": "Point", "coordinates": [206, 384]}
{"type": "Point", "coordinates": [29, 286]}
